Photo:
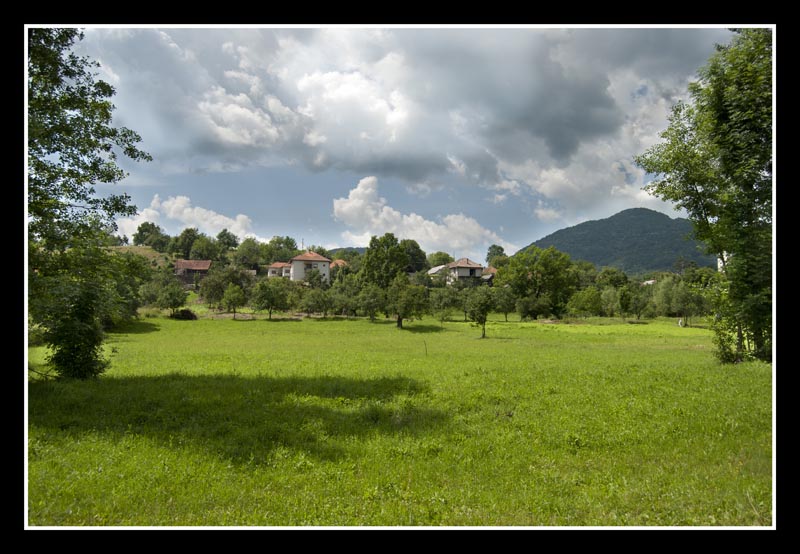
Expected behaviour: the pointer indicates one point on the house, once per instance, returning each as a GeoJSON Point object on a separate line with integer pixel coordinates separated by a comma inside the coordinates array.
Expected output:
{"type": "Point", "coordinates": [436, 270]}
{"type": "Point", "coordinates": [488, 275]}
{"type": "Point", "coordinates": [649, 282]}
{"type": "Point", "coordinates": [307, 261]}
{"type": "Point", "coordinates": [190, 270]}
{"type": "Point", "coordinates": [463, 268]}
{"type": "Point", "coordinates": [279, 269]}
{"type": "Point", "coordinates": [338, 263]}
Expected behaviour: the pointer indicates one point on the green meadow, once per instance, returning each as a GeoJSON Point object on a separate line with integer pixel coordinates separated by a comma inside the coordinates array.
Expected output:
{"type": "Point", "coordinates": [344, 422]}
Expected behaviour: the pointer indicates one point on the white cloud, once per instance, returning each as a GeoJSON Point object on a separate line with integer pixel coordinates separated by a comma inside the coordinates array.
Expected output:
{"type": "Point", "coordinates": [179, 210]}
{"type": "Point", "coordinates": [370, 214]}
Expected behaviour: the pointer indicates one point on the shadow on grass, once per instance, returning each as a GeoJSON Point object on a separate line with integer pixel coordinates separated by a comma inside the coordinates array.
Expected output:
{"type": "Point", "coordinates": [413, 328]}
{"type": "Point", "coordinates": [242, 419]}
{"type": "Point", "coordinates": [135, 327]}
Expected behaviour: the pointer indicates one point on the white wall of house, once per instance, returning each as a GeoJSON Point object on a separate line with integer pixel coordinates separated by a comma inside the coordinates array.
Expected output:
{"type": "Point", "coordinates": [299, 269]}
{"type": "Point", "coordinates": [459, 272]}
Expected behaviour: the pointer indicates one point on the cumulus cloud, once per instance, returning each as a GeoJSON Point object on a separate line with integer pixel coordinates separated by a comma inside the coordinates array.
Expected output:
{"type": "Point", "coordinates": [369, 214]}
{"type": "Point", "coordinates": [178, 212]}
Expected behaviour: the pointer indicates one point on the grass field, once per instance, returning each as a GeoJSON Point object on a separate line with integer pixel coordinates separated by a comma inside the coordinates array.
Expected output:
{"type": "Point", "coordinates": [351, 423]}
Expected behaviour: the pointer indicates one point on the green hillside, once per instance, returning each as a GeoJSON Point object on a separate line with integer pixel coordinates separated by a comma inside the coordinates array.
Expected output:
{"type": "Point", "coordinates": [636, 241]}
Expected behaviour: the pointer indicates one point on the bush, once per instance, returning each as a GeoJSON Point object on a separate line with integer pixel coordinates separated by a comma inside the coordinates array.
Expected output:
{"type": "Point", "coordinates": [184, 314]}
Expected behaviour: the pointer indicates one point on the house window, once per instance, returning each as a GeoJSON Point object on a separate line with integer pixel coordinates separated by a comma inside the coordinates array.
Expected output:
{"type": "Point", "coordinates": [315, 266]}
{"type": "Point", "coordinates": [472, 273]}
{"type": "Point", "coordinates": [308, 267]}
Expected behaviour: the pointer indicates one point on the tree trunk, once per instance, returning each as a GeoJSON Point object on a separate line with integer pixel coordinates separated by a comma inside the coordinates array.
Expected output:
{"type": "Point", "coordinates": [483, 331]}
{"type": "Point", "coordinates": [399, 322]}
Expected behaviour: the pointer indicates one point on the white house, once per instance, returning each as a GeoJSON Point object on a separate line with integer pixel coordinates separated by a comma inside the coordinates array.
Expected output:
{"type": "Point", "coordinates": [279, 269]}
{"type": "Point", "coordinates": [305, 262]}
{"type": "Point", "coordinates": [463, 268]}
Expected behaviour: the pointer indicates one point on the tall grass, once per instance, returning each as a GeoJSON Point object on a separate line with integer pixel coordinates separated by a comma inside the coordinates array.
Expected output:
{"type": "Point", "coordinates": [351, 423]}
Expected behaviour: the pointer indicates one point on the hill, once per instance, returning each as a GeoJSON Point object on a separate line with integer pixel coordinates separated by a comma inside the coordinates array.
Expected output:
{"type": "Point", "coordinates": [358, 249]}
{"type": "Point", "coordinates": [637, 240]}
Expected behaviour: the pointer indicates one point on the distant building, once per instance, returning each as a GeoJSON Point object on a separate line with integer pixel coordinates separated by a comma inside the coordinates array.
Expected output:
{"type": "Point", "coordinates": [308, 261]}
{"type": "Point", "coordinates": [338, 263]}
{"type": "Point", "coordinates": [190, 270]}
{"type": "Point", "coordinates": [279, 269]}
{"type": "Point", "coordinates": [649, 282]}
{"type": "Point", "coordinates": [463, 268]}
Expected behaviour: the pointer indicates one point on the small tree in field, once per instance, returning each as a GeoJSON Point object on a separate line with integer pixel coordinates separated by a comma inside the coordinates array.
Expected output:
{"type": "Point", "coordinates": [233, 298]}
{"type": "Point", "coordinates": [479, 303]}
{"type": "Point", "coordinates": [504, 300]}
{"type": "Point", "coordinates": [271, 294]}
{"type": "Point", "coordinates": [172, 295]}
{"type": "Point", "coordinates": [371, 300]}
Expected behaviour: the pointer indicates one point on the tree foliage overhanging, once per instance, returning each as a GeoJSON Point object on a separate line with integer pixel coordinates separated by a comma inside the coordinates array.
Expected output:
{"type": "Point", "coordinates": [76, 286]}
{"type": "Point", "coordinates": [716, 163]}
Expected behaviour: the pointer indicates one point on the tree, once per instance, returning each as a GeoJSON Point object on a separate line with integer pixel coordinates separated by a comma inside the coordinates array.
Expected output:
{"type": "Point", "coordinates": [504, 300]}
{"type": "Point", "coordinates": [316, 300]}
{"type": "Point", "coordinates": [150, 234]}
{"type": "Point", "coordinates": [406, 300]}
{"type": "Point", "coordinates": [214, 285]}
{"type": "Point", "coordinates": [344, 294]}
{"type": "Point", "coordinates": [248, 254]}
{"type": "Point", "coordinates": [72, 145]}
{"type": "Point", "coordinates": [585, 302]}
{"type": "Point", "coordinates": [233, 298]}
{"type": "Point", "coordinates": [542, 280]}
{"type": "Point", "coordinates": [610, 277]}
{"type": "Point", "coordinates": [384, 260]}
{"type": "Point", "coordinates": [280, 249]}
{"type": "Point", "coordinates": [181, 246]}
{"type": "Point", "coordinates": [270, 294]}
{"type": "Point", "coordinates": [609, 299]}
{"type": "Point", "coordinates": [417, 260]}
{"type": "Point", "coordinates": [172, 295]}
{"type": "Point", "coordinates": [479, 304]}
{"type": "Point", "coordinates": [205, 248]}
{"type": "Point", "coordinates": [443, 301]}
{"type": "Point", "coordinates": [227, 240]}
{"type": "Point", "coordinates": [315, 280]}
{"type": "Point", "coordinates": [439, 258]}
{"type": "Point", "coordinates": [371, 300]}
{"type": "Point", "coordinates": [493, 252]}
{"type": "Point", "coordinates": [715, 162]}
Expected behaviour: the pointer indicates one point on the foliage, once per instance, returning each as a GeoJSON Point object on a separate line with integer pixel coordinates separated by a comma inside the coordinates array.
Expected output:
{"type": "Point", "coordinates": [439, 258]}
{"type": "Point", "coordinates": [505, 301]}
{"type": "Point", "coordinates": [249, 254]}
{"type": "Point", "coordinates": [227, 240]}
{"type": "Point", "coordinates": [205, 248]}
{"type": "Point", "coordinates": [172, 296]}
{"type": "Point", "coordinates": [443, 302]}
{"type": "Point", "coordinates": [405, 300]}
{"type": "Point", "coordinates": [233, 298]}
{"type": "Point", "coordinates": [371, 299]}
{"type": "Point", "coordinates": [213, 286]}
{"type": "Point", "coordinates": [270, 294]}
{"type": "Point", "coordinates": [494, 252]}
{"type": "Point", "coordinates": [181, 245]}
{"type": "Point", "coordinates": [480, 302]}
{"type": "Point", "coordinates": [316, 300]}
{"type": "Point", "coordinates": [417, 260]}
{"type": "Point", "coordinates": [150, 234]}
{"type": "Point", "coordinates": [609, 301]}
{"type": "Point", "coordinates": [715, 162]}
{"type": "Point", "coordinates": [384, 260]}
{"type": "Point", "coordinates": [543, 280]}
{"type": "Point", "coordinates": [72, 280]}
{"type": "Point", "coordinates": [315, 279]}
{"type": "Point", "coordinates": [610, 277]}
{"type": "Point", "coordinates": [585, 302]}
{"type": "Point", "coordinates": [344, 294]}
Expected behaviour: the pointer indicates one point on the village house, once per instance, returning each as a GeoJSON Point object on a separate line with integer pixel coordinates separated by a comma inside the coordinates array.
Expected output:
{"type": "Point", "coordinates": [307, 261]}
{"type": "Point", "coordinates": [279, 269]}
{"type": "Point", "coordinates": [191, 271]}
{"type": "Point", "coordinates": [463, 268]}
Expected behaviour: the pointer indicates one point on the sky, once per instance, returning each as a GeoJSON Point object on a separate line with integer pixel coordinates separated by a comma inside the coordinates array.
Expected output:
{"type": "Point", "coordinates": [456, 137]}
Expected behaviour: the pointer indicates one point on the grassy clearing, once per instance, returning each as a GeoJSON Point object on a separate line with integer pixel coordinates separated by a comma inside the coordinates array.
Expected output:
{"type": "Point", "coordinates": [346, 422]}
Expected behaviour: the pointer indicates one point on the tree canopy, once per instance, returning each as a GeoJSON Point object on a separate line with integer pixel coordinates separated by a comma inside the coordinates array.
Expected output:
{"type": "Point", "coordinates": [715, 161]}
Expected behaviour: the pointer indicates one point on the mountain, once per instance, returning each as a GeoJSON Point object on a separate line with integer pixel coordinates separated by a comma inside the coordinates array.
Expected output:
{"type": "Point", "coordinates": [359, 249]}
{"type": "Point", "coordinates": [636, 241]}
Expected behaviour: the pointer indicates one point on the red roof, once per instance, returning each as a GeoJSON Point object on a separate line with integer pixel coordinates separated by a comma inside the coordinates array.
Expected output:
{"type": "Point", "coordinates": [278, 265]}
{"type": "Point", "coordinates": [463, 262]}
{"type": "Point", "coordinates": [338, 263]}
{"type": "Point", "coordinates": [490, 269]}
{"type": "Point", "coordinates": [196, 265]}
{"type": "Point", "coordinates": [310, 257]}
